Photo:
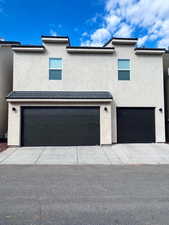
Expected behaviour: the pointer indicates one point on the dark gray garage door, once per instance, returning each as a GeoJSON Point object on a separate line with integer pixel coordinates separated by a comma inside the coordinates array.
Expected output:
{"type": "Point", "coordinates": [135, 125]}
{"type": "Point", "coordinates": [60, 126]}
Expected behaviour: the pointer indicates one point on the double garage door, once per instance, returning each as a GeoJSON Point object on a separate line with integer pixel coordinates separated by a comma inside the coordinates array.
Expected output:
{"type": "Point", "coordinates": [60, 126]}
{"type": "Point", "coordinates": [136, 125]}
{"type": "Point", "coordinates": [77, 126]}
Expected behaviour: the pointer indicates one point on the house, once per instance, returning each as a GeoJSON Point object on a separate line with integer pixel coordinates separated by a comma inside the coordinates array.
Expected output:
{"type": "Point", "coordinates": [6, 74]}
{"type": "Point", "coordinates": [66, 96]}
{"type": "Point", "coordinates": [166, 90]}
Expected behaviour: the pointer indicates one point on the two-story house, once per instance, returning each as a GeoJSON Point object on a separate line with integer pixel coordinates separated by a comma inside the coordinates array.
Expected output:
{"type": "Point", "coordinates": [166, 91]}
{"type": "Point", "coordinates": [64, 95]}
{"type": "Point", "coordinates": [6, 77]}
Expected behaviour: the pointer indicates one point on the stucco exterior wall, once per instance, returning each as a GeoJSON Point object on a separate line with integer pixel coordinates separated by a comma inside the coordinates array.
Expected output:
{"type": "Point", "coordinates": [97, 72]}
{"type": "Point", "coordinates": [6, 74]}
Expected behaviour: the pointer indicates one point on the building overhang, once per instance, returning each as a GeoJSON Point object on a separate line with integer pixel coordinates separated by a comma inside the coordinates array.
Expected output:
{"type": "Point", "coordinates": [59, 96]}
{"type": "Point", "coordinates": [55, 39]}
{"type": "Point", "coordinates": [28, 48]}
{"type": "Point", "coordinates": [150, 51]}
{"type": "Point", "coordinates": [124, 41]}
{"type": "Point", "coordinates": [9, 43]}
{"type": "Point", "coordinates": [94, 50]}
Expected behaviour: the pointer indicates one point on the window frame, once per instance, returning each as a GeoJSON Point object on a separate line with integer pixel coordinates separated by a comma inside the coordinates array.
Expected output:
{"type": "Point", "coordinates": [126, 70]}
{"type": "Point", "coordinates": [56, 69]}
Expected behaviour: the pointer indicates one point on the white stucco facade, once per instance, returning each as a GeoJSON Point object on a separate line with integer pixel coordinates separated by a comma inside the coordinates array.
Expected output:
{"type": "Point", "coordinates": [92, 71]}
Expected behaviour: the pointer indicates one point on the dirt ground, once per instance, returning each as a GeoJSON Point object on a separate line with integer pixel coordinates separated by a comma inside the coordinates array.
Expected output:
{"type": "Point", "coordinates": [3, 146]}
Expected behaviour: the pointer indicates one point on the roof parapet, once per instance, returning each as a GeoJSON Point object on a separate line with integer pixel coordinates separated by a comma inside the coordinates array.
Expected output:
{"type": "Point", "coordinates": [124, 41]}
{"type": "Point", "coordinates": [90, 49]}
{"type": "Point", "coordinates": [9, 43]}
{"type": "Point", "coordinates": [28, 48]}
{"type": "Point", "coordinates": [150, 51]}
{"type": "Point", "coordinates": [55, 39]}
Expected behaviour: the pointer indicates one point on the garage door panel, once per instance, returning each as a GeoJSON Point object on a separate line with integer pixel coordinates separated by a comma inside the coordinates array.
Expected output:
{"type": "Point", "coordinates": [136, 125]}
{"type": "Point", "coordinates": [60, 126]}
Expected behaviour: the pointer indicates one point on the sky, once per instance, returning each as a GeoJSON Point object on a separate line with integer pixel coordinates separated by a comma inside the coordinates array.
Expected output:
{"type": "Point", "coordinates": [86, 22]}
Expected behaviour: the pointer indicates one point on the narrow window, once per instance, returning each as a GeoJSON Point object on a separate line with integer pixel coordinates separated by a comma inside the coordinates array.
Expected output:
{"type": "Point", "coordinates": [55, 69]}
{"type": "Point", "coordinates": [123, 69]}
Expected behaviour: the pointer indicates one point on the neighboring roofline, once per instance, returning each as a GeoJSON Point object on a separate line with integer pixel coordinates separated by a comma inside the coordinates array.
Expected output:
{"type": "Point", "coordinates": [120, 39]}
{"type": "Point", "coordinates": [10, 43]}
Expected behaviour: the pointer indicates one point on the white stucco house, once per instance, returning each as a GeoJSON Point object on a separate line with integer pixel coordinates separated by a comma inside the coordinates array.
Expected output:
{"type": "Point", "coordinates": [6, 77]}
{"type": "Point", "coordinates": [64, 95]}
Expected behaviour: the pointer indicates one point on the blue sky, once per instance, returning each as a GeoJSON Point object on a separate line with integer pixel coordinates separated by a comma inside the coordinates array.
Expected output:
{"type": "Point", "coordinates": [86, 22]}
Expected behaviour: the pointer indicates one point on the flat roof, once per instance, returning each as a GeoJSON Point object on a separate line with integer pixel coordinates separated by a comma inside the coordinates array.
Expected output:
{"type": "Point", "coordinates": [89, 47]}
{"type": "Point", "coordinates": [10, 42]}
{"type": "Point", "coordinates": [28, 46]}
{"type": "Point", "coordinates": [118, 38]}
{"type": "Point", "coordinates": [48, 36]}
{"type": "Point", "coordinates": [152, 49]}
{"type": "Point", "coordinates": [59, 95]}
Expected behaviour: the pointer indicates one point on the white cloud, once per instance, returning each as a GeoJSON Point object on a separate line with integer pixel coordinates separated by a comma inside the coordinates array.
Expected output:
{"type": "Point", "coordinates": [142, 40]}
{"type": "Point", "coordinates": [112, 21]}
{"type": "Point", "coordinates": [53, 32]}
{"type": "Point", "coordinates": [124, 31]}
{"type": "Point", "coordinates": [97, 38]}
{"type": "Point", "coordinates": [146, 18]}
{"type": "Point", "coordinates": [85, 34]}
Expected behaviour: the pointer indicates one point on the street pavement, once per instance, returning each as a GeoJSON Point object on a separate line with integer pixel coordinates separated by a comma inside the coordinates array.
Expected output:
{"type": "Point", "coordinates": [84, 195]}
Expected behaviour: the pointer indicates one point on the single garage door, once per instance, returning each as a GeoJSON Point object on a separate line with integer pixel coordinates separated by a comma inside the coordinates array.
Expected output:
{"type": "Point", "coordinates": [136, 125]}
{"type": "Point", "coordinates": [60, 126]}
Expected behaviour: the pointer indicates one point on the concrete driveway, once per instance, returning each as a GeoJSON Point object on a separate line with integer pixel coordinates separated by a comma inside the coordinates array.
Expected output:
{"type": "Point", "coordinates": [121, 154]}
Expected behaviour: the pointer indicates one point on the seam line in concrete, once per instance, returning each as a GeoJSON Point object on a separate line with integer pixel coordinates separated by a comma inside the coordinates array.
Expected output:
{"type": "Point", "coordinates": [7, 157]}
{"type": "Point", "coordinates": [108, 159]}
{"type": "Point", "coordinates": [42, 151]}
{"type": "Point", "coordinates": [77, 156]}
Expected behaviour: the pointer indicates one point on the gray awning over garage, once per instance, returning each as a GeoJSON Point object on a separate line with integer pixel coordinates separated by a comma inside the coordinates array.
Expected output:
{"type": "Point", "coordinates": [60, 95]}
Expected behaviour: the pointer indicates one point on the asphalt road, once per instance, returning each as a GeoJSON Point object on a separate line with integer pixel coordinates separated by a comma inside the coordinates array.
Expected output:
{"type": "Point", "coordinates": [84, 195]}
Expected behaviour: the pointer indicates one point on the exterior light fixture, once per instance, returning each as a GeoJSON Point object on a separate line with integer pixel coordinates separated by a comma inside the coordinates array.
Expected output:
{"type": "Point", "coordinates": [105, 109]}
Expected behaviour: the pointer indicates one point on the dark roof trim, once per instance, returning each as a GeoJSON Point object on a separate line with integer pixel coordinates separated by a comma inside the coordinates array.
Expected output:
{"type": "Point", "coordinates": [28, 46]}
{"type": "Point", "coordinates": [88, 47]}
{"type": "Point", "coordinates": [151, 49]}
{"type": "Point", "coordinates": [116, 38]}
{"type": "Point", "coordinates": [59, 95]}
{"type": "Point", "coordinates": [43, 36]}
{"type": "Point", "coordinates": [10, 42]}
{"type": "Point", "coordinates": [132, 39]}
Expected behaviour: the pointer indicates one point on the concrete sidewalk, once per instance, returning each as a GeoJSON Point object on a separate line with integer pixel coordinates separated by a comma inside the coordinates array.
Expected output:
{"type": "Point", "coordinates": [120, 154]}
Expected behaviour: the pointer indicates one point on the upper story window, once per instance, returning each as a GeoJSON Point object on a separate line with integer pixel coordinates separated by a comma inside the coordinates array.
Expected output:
{"type": "Point", "coordinates": [55, 69]}
{"type": "Point", "coordinates": [123, 69]}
